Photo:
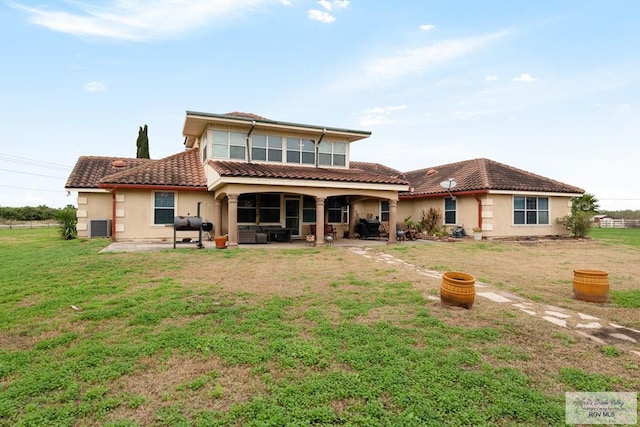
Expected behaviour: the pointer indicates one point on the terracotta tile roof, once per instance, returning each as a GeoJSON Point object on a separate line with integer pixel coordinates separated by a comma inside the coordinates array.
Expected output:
{"type": "Point", "coordinates": [246, 115]}
{"type": "Point", "coordinates": [180, 170]}
{"type": "Point", "coordinates": [377, 168]}
{"type": "Point", "coordinates": [482, 174]}
{"type": "Point", "coordinates": [281, 171]}
{"type": "Point", "coordinates": [89, 170]}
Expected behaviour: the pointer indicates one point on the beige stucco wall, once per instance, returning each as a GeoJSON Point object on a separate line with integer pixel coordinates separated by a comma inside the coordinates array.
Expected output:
{"type": "Point", "coordinates": [497, 214]}
{"type": "Point", "coordinates": [134, 213]}
{"type": "Point", "coordinates": [92, 206]}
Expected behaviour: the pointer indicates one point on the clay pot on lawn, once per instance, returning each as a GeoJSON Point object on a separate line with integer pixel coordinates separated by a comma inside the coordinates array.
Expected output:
{"type": "Point", "coordinates": [457, 289]}
{"type": "Point", "coordinates": [591, 285]}
{"type": "Point", "coordinates": [221, 242]}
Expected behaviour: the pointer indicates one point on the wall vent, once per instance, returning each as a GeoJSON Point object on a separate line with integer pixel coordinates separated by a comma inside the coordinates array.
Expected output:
{"type": "Point", "coordinates": [99, 228]}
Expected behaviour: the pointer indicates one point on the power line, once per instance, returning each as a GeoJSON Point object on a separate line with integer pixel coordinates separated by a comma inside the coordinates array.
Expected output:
{"type": "Point", "coordinates": [32, 162]}
{"type": "Point", "coordinates": [30, 189]}
{"type": "Point", "coordinates": [34, 174]}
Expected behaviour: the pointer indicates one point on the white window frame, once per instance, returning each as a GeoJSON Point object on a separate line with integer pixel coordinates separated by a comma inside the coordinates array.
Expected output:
{"type": "Point", "coordinates": [527, 210]}
{"type": "Point", "coordinates": [172, 208]}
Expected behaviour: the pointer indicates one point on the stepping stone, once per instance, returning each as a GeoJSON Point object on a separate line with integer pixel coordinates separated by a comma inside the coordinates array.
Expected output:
{"type": "Point", "coordinates": [592, 338]}
{"type": "Point", "coordinates": [637, 353]}
{"type": "Point", "coordinates": [531, 312]}
{"type": "Point", "coordinates": [624, 337]}
{"type": "Point", "coordinates": [557, 314]}
{"type": "Point", "coordinates": [433, 298]}
{"type": "Point", "coordinates": [523, 305]}
{"type": "Point", "coordinates": [493, 297]}
{"type": "Point", "coordinates": [592, 325]}
{"type": "Point", "coordinates": [587, 317]}
{"type": "Point", "coordinates": [555, 321]}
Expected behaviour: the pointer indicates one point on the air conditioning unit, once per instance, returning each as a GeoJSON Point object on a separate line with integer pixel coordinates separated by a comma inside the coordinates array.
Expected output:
{"type": "Point", "coordinates": [99, 228]}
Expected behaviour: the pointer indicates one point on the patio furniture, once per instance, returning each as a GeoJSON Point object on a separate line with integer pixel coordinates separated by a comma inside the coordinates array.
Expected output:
{"type": "Point", "coordinates": [368, 228]}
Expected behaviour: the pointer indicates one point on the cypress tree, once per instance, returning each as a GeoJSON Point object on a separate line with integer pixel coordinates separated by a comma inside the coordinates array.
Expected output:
{"type": "Point", "coordinates": [143, 144]}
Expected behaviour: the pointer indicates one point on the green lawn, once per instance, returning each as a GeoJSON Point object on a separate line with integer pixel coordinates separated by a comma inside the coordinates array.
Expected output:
{"type": "Point", "coordinates": [622, 236]}
{"type": "Point", "coordinates": [154, 346]}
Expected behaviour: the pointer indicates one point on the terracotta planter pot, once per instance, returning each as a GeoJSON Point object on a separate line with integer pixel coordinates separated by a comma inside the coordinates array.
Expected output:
{"type": "Point", "coordinates": [221, 242]}
{"type": "Point", "coordinates": [591, 285]}
{"type": "Point", "coordinates": [458, 289]}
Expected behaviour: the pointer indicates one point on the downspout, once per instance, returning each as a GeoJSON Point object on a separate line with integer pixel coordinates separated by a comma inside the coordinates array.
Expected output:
{"type": "Point", "coordinates": [317, 144]}
{"type": "Point", "coordinates": [253, 125]}
{"type": "Point", "coordinates": [475, 196]}
{"type": "Point", "coordinates": [113, 214]}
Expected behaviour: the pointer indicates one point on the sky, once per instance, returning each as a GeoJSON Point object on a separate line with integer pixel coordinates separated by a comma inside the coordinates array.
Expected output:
{"type": "Point", "coordinates": [548, 86]}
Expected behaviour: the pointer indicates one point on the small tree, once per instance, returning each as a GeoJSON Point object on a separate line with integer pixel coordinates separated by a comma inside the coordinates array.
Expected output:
{"type": "Point", "coordinates": [67, 223]}
{"type": "Point", "coordinates": [142, 143]}
{"type": "Point", "coordinates": [583, 208]}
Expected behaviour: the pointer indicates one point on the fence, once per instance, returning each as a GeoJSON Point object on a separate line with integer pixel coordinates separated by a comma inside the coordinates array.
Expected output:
{"type": "Point", "coordinates": [619, 223]}
{"type": "Point", "coordinates": [27, 224]}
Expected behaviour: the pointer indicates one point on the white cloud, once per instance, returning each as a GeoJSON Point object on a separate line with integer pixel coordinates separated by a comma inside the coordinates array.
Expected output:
{"type": "Point", "coordinates": [95, 87]}
{"type": "Point", "coordinates": [427, 27]}
{"type": "Point", "coordinates": [491, 78]}
{"type": "Point", "coordinates": [136, 20]}
{"type": "Point", "coordinates": [524, 78]}
{"type": "Point", "coordinates": [341, 4]}
{"type": "Point", "coordinates": [418, 60]}
{"type": "Point", "coordinates": [326, 4]}
{"type": "Point", "coordinates": [379, 115]}
{"type": "Point", "coordinates": [318, 15]}
{"type": "Point", "coordinates": [286, 2]}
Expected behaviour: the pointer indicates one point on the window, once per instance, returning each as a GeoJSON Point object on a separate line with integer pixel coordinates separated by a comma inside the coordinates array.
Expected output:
{"type": "Point", "coordinates": [163, 208]}
{"type": "Point", "coordinates": [229, 145]}
{"type": "Point", "coordinates": [308, 209]}
{"type": "Point", "coordinates": [269, 207]}
{"type": "Point", "coordinates": [301, 151]}
{"type": "Point", "coordinates": [384, 210]}
{"type": "Point", "coordinates": [530, 210]}
{"type": "Point", "coordinates": [266, 148]}
{"type": "Point", "coordinates": [247, 204]}
{"type": "Point", "coordinates": [258, 208]}
{"type": "Point", "coordinates": [332, 153]}
{"type": "Point", "coordinates": [334, 209]}
{"type": "Point", "coordinates": [450, 211]}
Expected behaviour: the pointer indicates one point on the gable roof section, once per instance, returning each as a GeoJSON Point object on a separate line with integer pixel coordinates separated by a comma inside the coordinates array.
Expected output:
{"type": "Point", "coordinates": [276, 171]}
{"type": "Point", "coordinates": [179, 170]}
{"type": "Point", "coordinates": [482, 175]}
{"type": "Point", "coordinates": [89, 170]}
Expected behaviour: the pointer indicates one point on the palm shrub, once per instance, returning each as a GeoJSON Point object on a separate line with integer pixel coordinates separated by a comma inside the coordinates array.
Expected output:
{"type": "Point", "coordinates": [67, 223]}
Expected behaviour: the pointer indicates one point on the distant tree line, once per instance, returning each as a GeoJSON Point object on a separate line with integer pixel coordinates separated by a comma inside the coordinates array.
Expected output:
{"type": "Point", "coordinates": [29, 213]}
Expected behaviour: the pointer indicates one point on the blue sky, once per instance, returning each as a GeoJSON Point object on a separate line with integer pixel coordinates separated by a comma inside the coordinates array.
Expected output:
{"type": "Point", "coordinates": [551, 87]}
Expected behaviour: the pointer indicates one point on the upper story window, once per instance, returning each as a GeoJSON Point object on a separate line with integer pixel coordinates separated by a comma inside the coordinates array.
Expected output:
{"type": "Point", "coordinates": [530, 210]}
{"type": "Point", "coordinates": [332, 153]}
{"type": "Point", "coordinates": [450, 211]}
{"type": "Point", "coordinates": [229, 145]}
{"type": "Point", "coordinates": [266, 147]}
{"type": "Point", "coordinates": [164, 204]}
{"type": "Point", "coordinates": [301, 151]}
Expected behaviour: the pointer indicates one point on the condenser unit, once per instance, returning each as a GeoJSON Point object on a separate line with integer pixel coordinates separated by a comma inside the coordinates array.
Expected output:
{"type": "Point", "coordinates": [99, 228]}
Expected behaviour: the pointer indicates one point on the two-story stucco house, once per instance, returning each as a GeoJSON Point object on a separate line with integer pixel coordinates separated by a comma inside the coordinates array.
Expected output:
{"type": "Point", "coordinates": [242, 170]}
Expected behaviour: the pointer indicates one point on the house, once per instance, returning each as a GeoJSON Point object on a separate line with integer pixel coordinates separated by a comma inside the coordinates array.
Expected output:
{"type": "Point", "coordinates": [241, 170]}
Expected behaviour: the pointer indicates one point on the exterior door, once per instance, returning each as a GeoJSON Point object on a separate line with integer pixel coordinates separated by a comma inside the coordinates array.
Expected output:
{"type": "Point", "coordinates": [292, 216]}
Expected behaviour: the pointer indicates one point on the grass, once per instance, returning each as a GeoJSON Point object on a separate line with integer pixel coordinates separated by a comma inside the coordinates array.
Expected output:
{"type": "Point", "coordinates": [618, 236]}
{"type": "Point", "coordinates": [204, 338]}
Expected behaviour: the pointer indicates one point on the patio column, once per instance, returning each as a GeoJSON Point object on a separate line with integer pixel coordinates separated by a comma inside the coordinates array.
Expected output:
{"type": "Point", "coordinates": [319, 221]}
{"type": "Point", "coordinates": [352, 220]}
{"type": "Point", "coordinates": [217, 217]}
{"type": "Point", "coordinates": [232, 241]}
{"type": "Point", "coordinates": [393, 213]}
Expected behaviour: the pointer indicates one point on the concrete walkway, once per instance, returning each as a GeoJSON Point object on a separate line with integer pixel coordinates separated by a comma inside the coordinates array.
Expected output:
{"type": "Point", "coordinates": [585, 325]}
